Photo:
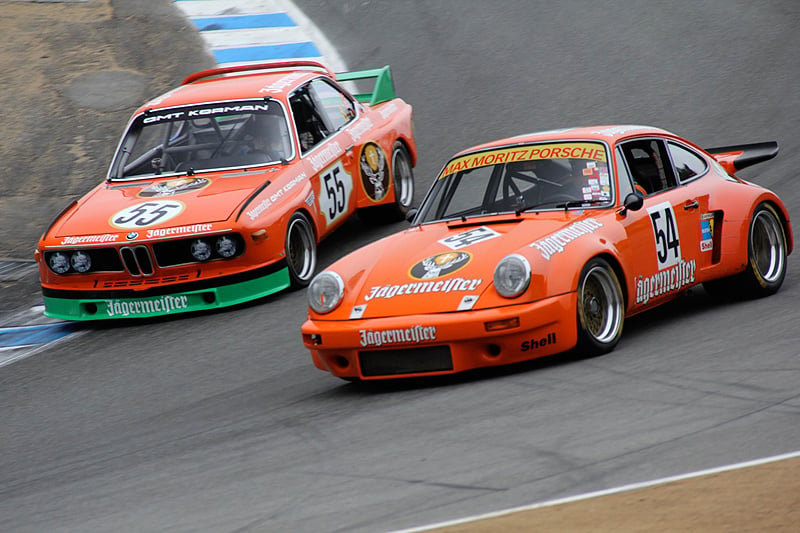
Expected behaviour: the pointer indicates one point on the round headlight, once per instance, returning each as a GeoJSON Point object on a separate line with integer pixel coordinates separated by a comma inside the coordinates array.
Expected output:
{"type": "Point", "coordinates": [226, 247]}
{"type": "Point", "coordinates": [58, 263]}
{"type": "Point", "coordinates": [512, 275]}
{"type": "Point", "coordinates": [325, 291]}
{"type": "Point", "coordinates": [200, 250]}
{"type": "Point", "coordinates": [80, 261]}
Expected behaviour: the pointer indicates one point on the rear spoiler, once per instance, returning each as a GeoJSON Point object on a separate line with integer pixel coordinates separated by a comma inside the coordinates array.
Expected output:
{"type": "Point", "coordinates": [740, 156]}
{"type": "Point", "coordinates": [382, 91]}
{"type": "Point", "coordinates": [252, 67]}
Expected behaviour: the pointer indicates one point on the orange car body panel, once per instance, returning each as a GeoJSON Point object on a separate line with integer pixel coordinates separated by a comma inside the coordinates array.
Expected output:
{"type": "Point", "coordinates": [254, 201]}
{"type": "Point", "coordinates": [391, 303]}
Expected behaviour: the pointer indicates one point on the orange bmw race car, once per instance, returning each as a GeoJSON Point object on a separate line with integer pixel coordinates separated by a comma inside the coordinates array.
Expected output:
{"type": "Point", "coordinates": [220, 190]}
{"type": "Point", "coordinates": [536, 244]}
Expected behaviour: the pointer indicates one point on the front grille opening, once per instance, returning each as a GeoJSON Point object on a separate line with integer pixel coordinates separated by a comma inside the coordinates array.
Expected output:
{"type": "Point", "coordinates": [130, 261]}
{"type": "Point", "coordinates": [137, 260]}
{"type": "Point", "coordinates": [405, 361]}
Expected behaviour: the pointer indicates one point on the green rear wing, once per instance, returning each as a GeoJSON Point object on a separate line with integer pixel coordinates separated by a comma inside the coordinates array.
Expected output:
{"type": "Point", "coordinates": [382, 90]}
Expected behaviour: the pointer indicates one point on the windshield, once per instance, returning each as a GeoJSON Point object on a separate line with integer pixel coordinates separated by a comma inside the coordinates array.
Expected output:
{"type": "Point", "coordinates": [540, 176]}
{"type": "Point", "coordinates": [205, 137]}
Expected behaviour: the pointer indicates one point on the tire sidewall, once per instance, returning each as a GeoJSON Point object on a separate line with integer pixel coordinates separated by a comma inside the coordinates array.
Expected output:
{"type": "Point", "coordinates": [300, 222]}
{"type": "Point", "coordinates": [587, 342]}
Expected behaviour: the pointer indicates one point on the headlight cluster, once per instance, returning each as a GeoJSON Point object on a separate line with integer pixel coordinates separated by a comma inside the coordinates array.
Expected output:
{"type": "Point", "coordinates": [65, 262]}
{"type": "Point", "coordinates": [512, 275]}
{"type": "Point", "coordinates": [325, 292]}
{"type": "Point", "coordinates": [224, 246]}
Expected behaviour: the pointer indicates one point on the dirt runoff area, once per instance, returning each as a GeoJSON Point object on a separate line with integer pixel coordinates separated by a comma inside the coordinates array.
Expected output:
{"type": "Point", "coordinates": [73, 72]}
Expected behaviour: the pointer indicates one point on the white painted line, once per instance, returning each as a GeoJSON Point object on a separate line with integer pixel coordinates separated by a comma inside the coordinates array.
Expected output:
{"type": "Point", "coordinates": [25, 353]}
{"type": "Point", "coordinates": [253, 37]}
{"type": "Point", "coordinates": [251, 45]}
{"type": "Point", "coordinates": [605, 492]}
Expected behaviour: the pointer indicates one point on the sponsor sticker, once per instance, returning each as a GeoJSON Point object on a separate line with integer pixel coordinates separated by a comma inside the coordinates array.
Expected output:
{"type": "Point", "coordinates": [146, 306]}
{"type": "Point", "coordinates": [556, 242]}
{"type": "Point", "coordinates": [665, 281]}
{"type": "Point", "coordinates": [174, 186]}
{"type": "Point", "coordinates": [412, 335]}
{"type": "Point", "coordinates": [90, 239]}
{"type": "Point", "coordinates": [178, 230]}
{"type": "Point", "coordinates": [707, 232]}
{"type": "Point", "coordinates": [357, 311]}
{"type": "Point", "coordinates": [374, 171]}
{"type": "Point", "coordinates": [467, 238]}
{"type": "Point", "coordinates": [439, 265]}
{"type": "Point", "coordinates": [577, 150]}
{"type": "Point", "coordinates": [535, 344]}
{"type": "Point", "coordinates": [422, 287]}
{"type": "Point", "coordinates": [467, 302]}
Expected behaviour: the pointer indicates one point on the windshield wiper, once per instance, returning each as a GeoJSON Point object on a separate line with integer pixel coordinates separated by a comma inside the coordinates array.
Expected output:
{"type": "Point", "coordinates": [560, 204]}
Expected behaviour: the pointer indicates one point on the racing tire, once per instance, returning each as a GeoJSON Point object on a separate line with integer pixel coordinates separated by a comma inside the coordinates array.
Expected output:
{"type": "Point", "coordinates": [600, 309]}
{"type": "Point", "coordinates": [301, 250]}
{"type": "Point", "coordinates": [403, 183]}
{"type": "Point", "coordinates": [766, 260]}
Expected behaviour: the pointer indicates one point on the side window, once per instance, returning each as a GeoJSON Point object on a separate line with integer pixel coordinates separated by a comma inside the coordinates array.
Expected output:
{"type": "Point", "coordinates": [311, 128]}
{"type": "Point", "coordinates": [334, 106]}
{"type": "Point", "coordinates": [687, 164]}
{"type": "Point", "coordinates": [649, 165]}
{"type": "Point", "coordinates": [626, 185]}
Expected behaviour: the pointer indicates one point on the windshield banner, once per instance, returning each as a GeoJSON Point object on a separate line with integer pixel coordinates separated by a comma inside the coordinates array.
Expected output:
{"type": "Point", "coordinates": [577, 150]}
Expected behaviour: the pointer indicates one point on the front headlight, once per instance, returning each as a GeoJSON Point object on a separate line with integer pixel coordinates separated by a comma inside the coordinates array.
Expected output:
{"type": "Point", "coordinates": [325, 292]}
{"type": "Point", "coordinates": [512, 275]}
{"type": "Point", "coordinates": [80, 261]}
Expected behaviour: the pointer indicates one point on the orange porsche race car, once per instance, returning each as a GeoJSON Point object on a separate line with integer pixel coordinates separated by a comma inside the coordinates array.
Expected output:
{"type": "Point", "coordinates": [221, 189]}
{"type": "Point", "coordinates": [536, 244]}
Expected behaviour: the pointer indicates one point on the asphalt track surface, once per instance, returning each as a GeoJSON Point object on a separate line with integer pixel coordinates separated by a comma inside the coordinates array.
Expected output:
{"type": "Point", "coordinates": [219, 422]}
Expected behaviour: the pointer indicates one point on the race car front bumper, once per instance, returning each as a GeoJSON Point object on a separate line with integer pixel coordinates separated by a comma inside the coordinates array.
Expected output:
{"type": "Point", "coordinates": [168, 299]}
{"type": "Point", "coordinates": [443, 343]}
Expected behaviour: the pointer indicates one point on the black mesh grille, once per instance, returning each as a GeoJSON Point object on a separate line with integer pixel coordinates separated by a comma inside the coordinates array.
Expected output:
{"type": "Point", "coordinates": [405, 361]}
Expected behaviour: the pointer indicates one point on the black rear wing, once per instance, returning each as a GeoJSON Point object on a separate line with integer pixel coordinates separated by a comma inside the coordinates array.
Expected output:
{"type": "Point", "coordinates": [741, 156]}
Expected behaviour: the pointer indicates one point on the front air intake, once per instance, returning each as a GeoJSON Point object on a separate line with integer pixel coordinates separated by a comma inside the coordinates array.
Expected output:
{"type": "Point", "coordinates": [137, 260]}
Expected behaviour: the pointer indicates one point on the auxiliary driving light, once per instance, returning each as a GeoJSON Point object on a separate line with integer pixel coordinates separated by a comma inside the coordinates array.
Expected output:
{"type": "Point", "coordinates": [226, 247]}
{"type": "Point", "coordinates": [80, 261]}
{"type": "Point", "coordinates": [59, 263]}
{"type": "Point", "coordinates": [200, 250]}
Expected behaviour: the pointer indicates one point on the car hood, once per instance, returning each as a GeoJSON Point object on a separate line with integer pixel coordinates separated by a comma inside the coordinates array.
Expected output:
{"type": "Point", "coordinates": [446, 267]}
{"type": "Point", "coordinates": [160, 203]}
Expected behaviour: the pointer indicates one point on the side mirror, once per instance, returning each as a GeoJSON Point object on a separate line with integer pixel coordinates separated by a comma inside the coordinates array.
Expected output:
{"type": "Point", "coordinates": [411, 214]}
{"type": "Point", "coordinates": [634, 202]}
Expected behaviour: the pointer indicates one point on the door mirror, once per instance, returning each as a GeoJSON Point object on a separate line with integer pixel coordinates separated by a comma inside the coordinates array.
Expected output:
{"type": "Point", "coordinates": [634, 201]}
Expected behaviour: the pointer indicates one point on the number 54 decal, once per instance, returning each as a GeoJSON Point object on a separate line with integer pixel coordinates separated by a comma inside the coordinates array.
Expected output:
{"type": "Point", "coordinates": [665, 231]}
{"type": "Point", "coordinates": [335, 186]}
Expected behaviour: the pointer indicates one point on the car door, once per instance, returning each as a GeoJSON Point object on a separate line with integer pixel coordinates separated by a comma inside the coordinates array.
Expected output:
{"type": "Point", "coordinates": [663, 238]}
{"type": "Point", "coordinates": [321, 112]}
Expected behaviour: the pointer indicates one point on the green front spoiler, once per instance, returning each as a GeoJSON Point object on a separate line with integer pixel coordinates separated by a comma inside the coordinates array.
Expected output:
{"type": "Point", "coordinates": [382, 91]}
{"type": "Point", "coordinates": [166, 304]}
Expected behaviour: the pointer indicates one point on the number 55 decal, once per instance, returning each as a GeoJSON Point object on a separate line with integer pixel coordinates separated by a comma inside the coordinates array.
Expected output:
{"type": "Point", "coordinates": [147, 214]}
{"type": "Point", "coordinates": [665, 231]}
{"type": "Point", "coordinates": [335, 186]}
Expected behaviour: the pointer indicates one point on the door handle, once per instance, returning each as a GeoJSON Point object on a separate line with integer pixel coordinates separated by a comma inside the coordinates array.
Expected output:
{"type": "Point", "coordinates": [691, 204]}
